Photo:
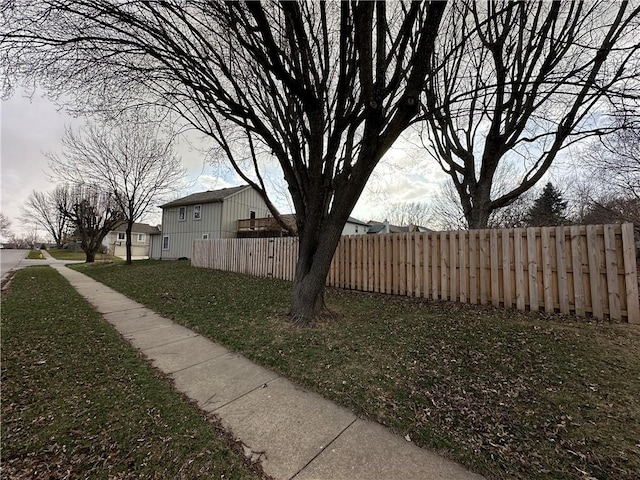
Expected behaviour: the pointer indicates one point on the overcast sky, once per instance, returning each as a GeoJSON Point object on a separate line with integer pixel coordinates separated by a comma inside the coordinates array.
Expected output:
{"type": "Point", "coordinates": [32, 126]}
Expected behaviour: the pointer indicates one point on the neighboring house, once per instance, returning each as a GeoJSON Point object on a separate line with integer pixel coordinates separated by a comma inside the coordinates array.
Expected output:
{"type": "Point", "coordinates": [268, 227]}
{"type": "Point", "coordinates": [205, 215]}
{"type": "Point", "coordinates": [116, 240]}
{"type": "Point", "coordinates": [386, 227]}
{"type": "Point", "coordinates": [355, 227]}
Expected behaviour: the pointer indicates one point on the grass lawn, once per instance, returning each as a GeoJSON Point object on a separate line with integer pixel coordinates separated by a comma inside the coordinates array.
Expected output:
{"type": "Point", "coordinates": [508, 394]}
{"type": "Point", "coordinates": [35, 255]}
{"type": "Point", "coordinates": [63, 254]}
{"type": "Point", "coordinates": [78, 402]}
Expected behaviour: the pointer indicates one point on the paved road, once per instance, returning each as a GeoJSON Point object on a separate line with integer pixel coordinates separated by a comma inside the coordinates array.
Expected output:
{"type": "Point", "coordinates": [10, 258]}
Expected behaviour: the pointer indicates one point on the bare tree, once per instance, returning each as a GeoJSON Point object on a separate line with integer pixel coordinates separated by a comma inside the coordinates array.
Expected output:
{"type": "Point", "coordinates": [93, 212]}
{"type": "Point", "coordinates": [5, 225]}
{"type": "Point", "coordinates": [613, 209]}
{"type": "Point", "coordinates": [615, 160]}
{"type": "Point", "coordinates": [449, 214]}
{"type": "Point", "coordinates": [325, 89]}
{"type": "Point", "coordinates": [126, 159]}
{"type": "Point", "coordinates": [520, 81]}
{"type": "Point", "coordinates": [409, 213]}
{"type": "Point", "coordinates": [46, 209]}
{"type": "Point", "coordinates": [447, 211]}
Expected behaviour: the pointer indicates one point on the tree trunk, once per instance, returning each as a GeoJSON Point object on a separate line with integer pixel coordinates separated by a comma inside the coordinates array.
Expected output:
{"type": "Point", "coordinates": [128, 240]}
{"type": "Point", "coordinates": [91, 256]}
{"type": "Point", "coordinates": [314, 260]}
{"type": "Point", "coordinates": [478, 215]}
{"type": "Point", "coordinates": [308, 298]}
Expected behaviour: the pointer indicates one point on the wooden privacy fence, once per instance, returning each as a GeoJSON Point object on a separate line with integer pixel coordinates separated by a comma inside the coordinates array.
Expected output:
{"type": "Point", "coordinates": [582, 270]}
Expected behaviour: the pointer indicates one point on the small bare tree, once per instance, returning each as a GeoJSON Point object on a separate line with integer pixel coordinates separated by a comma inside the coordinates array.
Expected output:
{"type": "Point", "coordinates": [409, 213]}
{"type": "Point", "coordinates": [93, 212]}
{"type": "Point", "coordinates": [127, 160]}
{"type": "Point", "coordinates": [5, 225]}
{"type": "Point", "coordinates": [46, 209]}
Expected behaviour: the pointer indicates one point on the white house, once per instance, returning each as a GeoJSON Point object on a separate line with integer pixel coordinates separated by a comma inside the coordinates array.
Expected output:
{"type": "Point", "coordinates": [205, 215]}
{"type": "Point", "coordinates": [116, 240]}
{"type": "Point", "coordinates": [355, 227]}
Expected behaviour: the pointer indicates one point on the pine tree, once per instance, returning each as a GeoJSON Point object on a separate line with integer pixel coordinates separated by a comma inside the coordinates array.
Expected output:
{"type": "Point", "coordinates": [548, 209]}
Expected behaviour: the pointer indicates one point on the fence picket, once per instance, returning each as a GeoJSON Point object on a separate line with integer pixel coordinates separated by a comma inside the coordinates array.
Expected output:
{"type": "Point", "coordinates": [417, 266]}
{"type": "Point", "coordinates": [630, 273]}
{"type": "Point", "coordinates": [506, 268]}
{"type": "Point", "coordinates": [532, 263]}
{"type": "Point", "coordinates": [462, 259]}
{"type": "Point", "coordinates": [376, 263]}
{"type": "Point", "coordinates": [547, 272]}
{"type": "Point", "coordinates": [594, 271]}
{"type": "Point", "coordinates": [435, 291]}
{"type": "Point", "coordinates": [484, 280]}
{"type": "Point", "coordinates": [611, 266]}
{"type": "Point", "coordinates": [561, 253]}
{"type": "Point", "coordinates": [578, 282]}
{"type": "Point", "coordinates": [404, 267]}
{"type": "Point", "coordinates": [426, 265]}
{"type": "Point", "coordinates": [473, 267]}
{"type": "Point", "coordinates": [518, 260]}
{"type": "Point", "coordinates": [495, 281]}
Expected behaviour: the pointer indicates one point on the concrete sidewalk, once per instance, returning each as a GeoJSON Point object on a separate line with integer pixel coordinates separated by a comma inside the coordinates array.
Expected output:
{"type": "Point", "coordinates": [295, 433]}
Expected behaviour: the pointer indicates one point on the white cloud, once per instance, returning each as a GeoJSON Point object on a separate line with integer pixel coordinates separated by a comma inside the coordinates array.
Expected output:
{"type": "Point", "coordinates": [406, 174]}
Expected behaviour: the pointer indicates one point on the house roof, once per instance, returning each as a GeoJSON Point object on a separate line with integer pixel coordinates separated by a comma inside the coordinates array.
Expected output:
{"type": "Point", "coordinates": [379, 227]}
{"type": "Point", "coordinates": [357, 222]}
{"type": "Point", "coordinates": [210, 196]}
{"type": "Point", "coordinates": [137, 228]}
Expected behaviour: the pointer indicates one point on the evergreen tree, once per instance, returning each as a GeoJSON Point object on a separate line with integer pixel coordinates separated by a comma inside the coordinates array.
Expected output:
{"type": "Point", "coordinates": [548, 209]}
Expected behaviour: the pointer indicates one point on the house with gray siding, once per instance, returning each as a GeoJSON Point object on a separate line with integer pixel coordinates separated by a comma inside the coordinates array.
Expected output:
{"type": "Point", "coordinates": [205, 215]}
{"type": "Point", "coordinates": [141, 235]}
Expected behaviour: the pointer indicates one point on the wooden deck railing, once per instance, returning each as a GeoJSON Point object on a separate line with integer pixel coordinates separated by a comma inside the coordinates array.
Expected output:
{"type": "Point", "coordinates": [254, 224]}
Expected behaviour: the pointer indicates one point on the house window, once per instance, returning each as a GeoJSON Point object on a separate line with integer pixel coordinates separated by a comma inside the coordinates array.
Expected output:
{"type": "Point", "coordinates": [121, 236]}
{"type": "Point", "coordinates": [197, 212]}
{"type": "Point", "coordinates": [165, 242]}
{"type": "Point", "coordinates": [182, 214]}
{"type": "Point", "coordinates": [141, 238]}
{"type": "Point", "coordinates": [205, 236]}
